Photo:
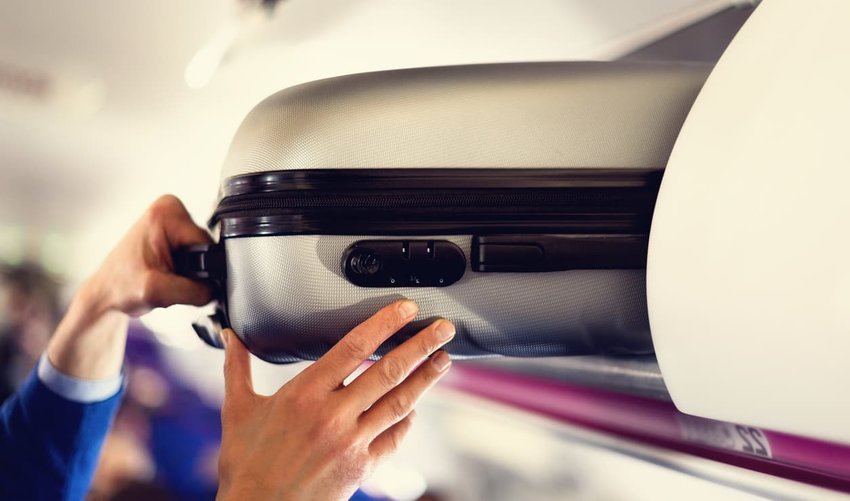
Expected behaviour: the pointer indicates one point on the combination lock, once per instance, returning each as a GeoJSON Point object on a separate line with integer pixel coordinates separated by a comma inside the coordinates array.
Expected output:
{"type": "Point", "coordinates": [403, 263]}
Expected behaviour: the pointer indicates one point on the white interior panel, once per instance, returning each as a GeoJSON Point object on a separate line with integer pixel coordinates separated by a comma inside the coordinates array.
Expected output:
{"type": "Point", "coordinates": [748, 273]}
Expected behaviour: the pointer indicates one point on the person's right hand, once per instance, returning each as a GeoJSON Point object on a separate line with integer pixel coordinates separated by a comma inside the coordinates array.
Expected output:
{"type": "Point", "coordinates": [315, 438]}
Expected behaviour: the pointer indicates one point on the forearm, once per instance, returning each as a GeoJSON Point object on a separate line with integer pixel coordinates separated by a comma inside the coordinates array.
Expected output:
{"type": "Point", "coordinates": [90, 340]}
{"type": "Point", "coordinates": [51, 432]}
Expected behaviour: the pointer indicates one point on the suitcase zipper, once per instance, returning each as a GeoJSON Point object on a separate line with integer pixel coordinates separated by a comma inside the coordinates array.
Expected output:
{"type": "Point", "coordinates": [401, 200]}
{"type": "Point", "coordinates": [565, 204]}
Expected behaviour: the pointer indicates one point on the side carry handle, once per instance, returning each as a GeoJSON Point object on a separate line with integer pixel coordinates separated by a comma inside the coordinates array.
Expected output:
{"type": "Point", "coordinates": [541, 253]}
{"type": "Point", "coordinates": [200, 262]}
{"type": "Point", "coordinates": [206, 262]}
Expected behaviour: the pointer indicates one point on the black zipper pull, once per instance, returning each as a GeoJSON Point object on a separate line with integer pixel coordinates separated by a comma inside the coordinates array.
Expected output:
{"type": "Point", "coordinates": [209, 328]}
{"type": "Point", "coordinates": [207, 263]}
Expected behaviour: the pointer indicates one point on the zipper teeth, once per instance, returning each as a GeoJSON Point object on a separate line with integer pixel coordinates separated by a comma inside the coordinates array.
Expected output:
{"type": "Point", "coordinates": [541, 198]}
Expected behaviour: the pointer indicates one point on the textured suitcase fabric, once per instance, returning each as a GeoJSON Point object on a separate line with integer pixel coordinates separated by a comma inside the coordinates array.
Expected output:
{"type": "Point", "coordinates": [555, 148]}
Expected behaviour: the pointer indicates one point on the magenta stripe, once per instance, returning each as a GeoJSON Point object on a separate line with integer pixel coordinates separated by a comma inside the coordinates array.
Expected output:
{"type": "Point", "coordinates": [652, 421]}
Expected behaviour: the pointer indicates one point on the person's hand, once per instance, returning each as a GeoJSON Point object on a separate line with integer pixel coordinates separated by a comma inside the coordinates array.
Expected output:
{"type": "Point", "coordinates": [315, 438]}
{"type": "Point", "coordinates": [137, 276]}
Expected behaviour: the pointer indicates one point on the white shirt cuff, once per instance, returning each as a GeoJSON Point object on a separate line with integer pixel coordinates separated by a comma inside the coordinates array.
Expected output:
{"type": "Point", "coordinates": [84, 391]}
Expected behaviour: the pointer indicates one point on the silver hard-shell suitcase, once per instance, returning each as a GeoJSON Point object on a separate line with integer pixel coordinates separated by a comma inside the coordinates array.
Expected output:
{"type": "Point", "coordinates": [512, 199]}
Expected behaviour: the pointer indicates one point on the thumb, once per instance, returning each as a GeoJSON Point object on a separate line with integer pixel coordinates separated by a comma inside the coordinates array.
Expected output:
{"type": "Point", "coordinates": [237, 368]}
{"type": "Point", "coordinates": [165, 289]}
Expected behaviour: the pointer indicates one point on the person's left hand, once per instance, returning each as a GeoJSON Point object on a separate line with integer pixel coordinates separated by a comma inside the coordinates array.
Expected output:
{"type": "Point", "coordinates": [137, 276]}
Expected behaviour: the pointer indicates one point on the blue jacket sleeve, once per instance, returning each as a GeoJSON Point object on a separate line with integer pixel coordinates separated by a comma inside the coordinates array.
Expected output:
{"type": "Point", "coordinates": [49, 446]}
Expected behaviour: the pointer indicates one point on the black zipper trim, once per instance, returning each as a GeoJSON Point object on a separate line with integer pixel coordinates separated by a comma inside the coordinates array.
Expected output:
{"type": "Point", "coordinates": [440, 178]}
{"type": "Point", "coordinates": [438, 201]}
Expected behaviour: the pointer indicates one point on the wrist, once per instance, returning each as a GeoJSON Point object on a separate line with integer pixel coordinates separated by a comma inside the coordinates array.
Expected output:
{"type": "Point", "coordinates": [89, 341]}
{"type": "Point", "coordinates": [92, 300]}
{"type": "Point", "coordinates": [227, 491]}
{"type": "Point", "coordinates": [238, 486]}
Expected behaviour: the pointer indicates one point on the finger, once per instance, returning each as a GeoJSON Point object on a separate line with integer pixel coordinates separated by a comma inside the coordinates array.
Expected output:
{"type": "Point", "coordinates": [359, 344]}
{"type": "Point", "coordinates": [237, 368]}
{"type": "Point", "coordinates": [398, 403]}
{"type": "Point", "coordinates": [391, 370]}
{"type": "Point", "coordinates": [164, 289]}
{"type": "Point", "coordinates": [179, 228]}
{"type": "Point", "coordinates": [184, 232]}
{"type": "Point", "coordinates": [388, 442]}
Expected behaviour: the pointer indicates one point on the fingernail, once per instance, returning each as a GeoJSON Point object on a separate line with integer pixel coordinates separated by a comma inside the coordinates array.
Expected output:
{"type": "Point", "coordinates": [445, 330]}
{"type": "Point", "coordinates": [225, 336]}
{"type": "Point", "coordinates": [441, 361]}
{"type": "Point", "coordinates": [408, 309]}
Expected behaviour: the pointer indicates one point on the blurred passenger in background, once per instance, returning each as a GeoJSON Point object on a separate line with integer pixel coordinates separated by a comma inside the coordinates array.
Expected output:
{"type": "Point", "coordinates": [164, 435]}
{"type": "Point", "coordinates": [29, 312]}
{"type": "Point", "coordinates": [165, 438]}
